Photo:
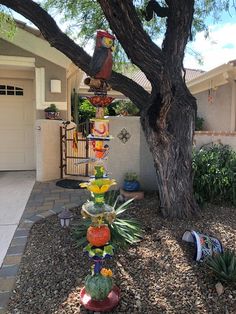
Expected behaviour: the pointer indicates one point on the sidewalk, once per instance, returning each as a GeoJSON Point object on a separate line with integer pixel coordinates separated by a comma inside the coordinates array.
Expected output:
{"type": "Point", "coordinates": [46, 199]}
{"type": "Point", "coordinates": [15, 189]}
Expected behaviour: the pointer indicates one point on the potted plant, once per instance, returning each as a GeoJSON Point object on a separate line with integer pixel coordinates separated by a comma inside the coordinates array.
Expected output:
{"type": "Point", "coordinates": [131, 182]}
{"type": "Point", "coordinates": [52, 112]}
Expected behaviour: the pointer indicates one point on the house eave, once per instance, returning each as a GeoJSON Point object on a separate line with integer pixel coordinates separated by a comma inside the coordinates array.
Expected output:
{"type": "Point", "coordinates": [213, 79]}
{"type": "Point", "coordinates": [36, 45]}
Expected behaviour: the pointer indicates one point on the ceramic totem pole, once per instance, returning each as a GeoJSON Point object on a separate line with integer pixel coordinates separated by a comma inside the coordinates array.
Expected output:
{"type": "Point", "coordinates": [99, 293]}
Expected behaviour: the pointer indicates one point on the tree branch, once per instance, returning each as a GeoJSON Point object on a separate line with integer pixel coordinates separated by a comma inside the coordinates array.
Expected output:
{"type": "Point", "coordinates": [128, 29]}
{"type": "Point", "coordinates": [52, 33]}
{"type": "Point", "coordinates": [178, 30]}
{"type": "Point", "coordinates": [154, 6]}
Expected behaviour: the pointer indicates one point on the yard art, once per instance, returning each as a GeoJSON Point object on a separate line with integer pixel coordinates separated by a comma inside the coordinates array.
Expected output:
{"type": "Point", "coordinates": [99, 293]}
{"type": "Point", "coordinates": [204, 245]}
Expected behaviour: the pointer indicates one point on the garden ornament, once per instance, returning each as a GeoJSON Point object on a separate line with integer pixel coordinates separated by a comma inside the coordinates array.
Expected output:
{"type": "Point", "coordinates": [204, 245]}
{"type": "Point", "coordinates": [101, 63]}
{"type": "Point", "coordinates": [99, 294]}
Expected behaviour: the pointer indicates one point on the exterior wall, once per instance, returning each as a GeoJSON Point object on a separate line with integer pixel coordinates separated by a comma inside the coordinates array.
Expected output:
{"type": "Point", "coordinates": [47, 150]}
{"type": "Point", "coordinates": [217, 116]}
{"type": "Point", "coordinates": [225, 138]}
{"type": "Point", "coordinates": [132, 156]}
{"type": "Point", "coordinates": [123, 157]}
{"type": "Point", "coordinates": [52, 71]}
{"type": "Point", "coordinates": [147, 169]}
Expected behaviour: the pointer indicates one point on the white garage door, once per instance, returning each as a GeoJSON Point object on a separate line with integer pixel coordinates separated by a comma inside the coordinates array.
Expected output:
{"type": "Point", "coordinates": [16, 125]}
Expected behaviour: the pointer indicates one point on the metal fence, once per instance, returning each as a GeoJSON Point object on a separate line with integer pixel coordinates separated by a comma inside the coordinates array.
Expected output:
{"type": "Point", "coordinates": [75, 147]}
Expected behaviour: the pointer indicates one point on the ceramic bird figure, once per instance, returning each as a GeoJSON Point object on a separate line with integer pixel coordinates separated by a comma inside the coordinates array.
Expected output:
{"type": "Point", "coordinates": [101, 63]}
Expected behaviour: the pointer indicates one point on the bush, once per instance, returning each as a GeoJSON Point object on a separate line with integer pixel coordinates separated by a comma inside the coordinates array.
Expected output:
{"type": "Point", "coordinates": [86, 110]}
{"type": "Point", "coordinates": [199, 124]}
{"type": "Point", "coordinates": [214, 174]}
{"type": "Point", "coordinates": [126, 108]}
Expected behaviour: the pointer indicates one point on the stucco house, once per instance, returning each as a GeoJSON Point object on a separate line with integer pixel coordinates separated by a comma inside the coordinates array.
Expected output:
{"type": "Point", "coordinates": [32, 76]}
{"type": "Point", "coordinates": [215, 92]}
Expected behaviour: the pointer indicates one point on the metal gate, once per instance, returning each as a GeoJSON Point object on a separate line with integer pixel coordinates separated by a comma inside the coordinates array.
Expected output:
{"type": "Point", "coordinates": [75, 148]}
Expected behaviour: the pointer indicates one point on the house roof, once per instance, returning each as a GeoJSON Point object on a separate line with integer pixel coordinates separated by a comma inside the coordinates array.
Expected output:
{"type": "Point", "coordinates": [192, 74]}
{"type": "Point", "coordinates": [140, 78]}
{"type": "Point", "coordinates": [33, 30]}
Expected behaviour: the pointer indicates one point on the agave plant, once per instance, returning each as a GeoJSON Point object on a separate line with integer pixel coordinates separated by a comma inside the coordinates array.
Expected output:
{"type": "Point", "coordinates": [224, 265]}
{"type": "Point", "coordinates": [124, 231]}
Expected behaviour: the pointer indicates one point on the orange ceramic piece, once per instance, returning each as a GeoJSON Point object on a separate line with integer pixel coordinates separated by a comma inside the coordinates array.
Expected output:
{"type": "Point", "coordinates": [98, 236]}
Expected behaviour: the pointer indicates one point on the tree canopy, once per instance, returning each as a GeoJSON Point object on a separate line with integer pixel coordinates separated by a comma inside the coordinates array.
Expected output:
{"type": "Point", "coordinates": [84, 17]}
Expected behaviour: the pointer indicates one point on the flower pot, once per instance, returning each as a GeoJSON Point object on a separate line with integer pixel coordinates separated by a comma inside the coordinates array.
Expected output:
{"type": "Point", "coordinates": [131, 185]}
{"type": "Point", "coordinates": [52, 115]}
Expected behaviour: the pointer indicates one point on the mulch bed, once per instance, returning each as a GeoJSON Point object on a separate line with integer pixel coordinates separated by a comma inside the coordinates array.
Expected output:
{"type": "Point", "coordinates": [156, 276]}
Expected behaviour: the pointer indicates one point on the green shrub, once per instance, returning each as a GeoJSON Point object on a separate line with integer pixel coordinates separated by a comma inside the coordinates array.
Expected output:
{"type": "Point", "coordinates": [131, 176]}
{"type": "Point", "coordinates": [126, 108]}
{"type": "Point", "coordinates": [223, 266]}
{"type": "Point", "coordinates": [199, 124]}
{"type": "Point", "coordinates": [214, 174]}
{"type": "Point", "coordinates": [85, 110]}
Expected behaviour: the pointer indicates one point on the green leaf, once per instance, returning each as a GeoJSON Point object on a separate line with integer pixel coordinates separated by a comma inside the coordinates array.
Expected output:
{"type": "Point", "coordinates": [122, 208]}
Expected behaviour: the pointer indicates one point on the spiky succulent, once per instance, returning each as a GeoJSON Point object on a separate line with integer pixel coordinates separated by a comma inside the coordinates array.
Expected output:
{"type": "Point", "coordinates": [124, 231]}
{"type": "Point", "coordinates": [224, 265]}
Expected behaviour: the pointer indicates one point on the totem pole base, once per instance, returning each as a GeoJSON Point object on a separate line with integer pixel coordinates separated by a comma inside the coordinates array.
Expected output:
{"type": "Point", "coordinates": [100, 306]}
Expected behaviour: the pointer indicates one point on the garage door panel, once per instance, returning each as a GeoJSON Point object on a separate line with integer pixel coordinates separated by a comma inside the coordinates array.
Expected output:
{"type": "Point", "coordinates": [12, 139]}
{"type": "Point", "coordinates": [16, 125]}
{"type": "Point", "coordinates": [13, 112]}
{"type": "Point", "coordinates": [12, 158]}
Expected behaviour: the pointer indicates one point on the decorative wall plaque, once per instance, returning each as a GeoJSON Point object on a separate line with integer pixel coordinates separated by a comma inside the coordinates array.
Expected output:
{"type": "Point", "coordinates": [124, 135]}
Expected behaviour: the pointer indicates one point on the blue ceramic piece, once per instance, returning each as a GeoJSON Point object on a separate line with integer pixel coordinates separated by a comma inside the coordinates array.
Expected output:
{"type": "Point", "coordinates": [205, 245]}
{"type": "Point", "coordinates": [131, 186]}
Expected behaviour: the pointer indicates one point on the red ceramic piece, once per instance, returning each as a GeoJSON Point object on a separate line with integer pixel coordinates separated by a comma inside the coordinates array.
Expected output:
{"type": "Point", "coordinates": [100, 101]}
{"type": "Point", "coordinates": [100, 306]}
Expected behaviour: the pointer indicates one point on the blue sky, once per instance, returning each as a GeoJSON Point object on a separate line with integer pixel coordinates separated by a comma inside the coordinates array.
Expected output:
{"type": "Point", "coordinates": [219, 48]}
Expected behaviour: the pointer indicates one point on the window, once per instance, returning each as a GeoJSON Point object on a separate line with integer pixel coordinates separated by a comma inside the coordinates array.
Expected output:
{"type": "Point", "coordinates": [11, 90]}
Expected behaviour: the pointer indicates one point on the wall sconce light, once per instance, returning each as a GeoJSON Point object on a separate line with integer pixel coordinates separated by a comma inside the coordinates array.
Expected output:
{"type": "Point", "coordinates": [55, 86]}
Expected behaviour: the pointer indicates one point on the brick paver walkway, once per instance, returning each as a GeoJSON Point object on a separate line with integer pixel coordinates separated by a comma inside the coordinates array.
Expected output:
{"type": "Point", "coordinates": [46, 199]}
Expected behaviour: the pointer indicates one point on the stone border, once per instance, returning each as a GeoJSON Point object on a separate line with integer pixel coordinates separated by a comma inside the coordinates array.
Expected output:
{"type": "Point", "coordinates": [43, 209]}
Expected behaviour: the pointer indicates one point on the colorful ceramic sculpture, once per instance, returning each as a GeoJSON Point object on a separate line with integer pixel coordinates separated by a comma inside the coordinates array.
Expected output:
{"type": "Point", "coordinates": [99, 293]}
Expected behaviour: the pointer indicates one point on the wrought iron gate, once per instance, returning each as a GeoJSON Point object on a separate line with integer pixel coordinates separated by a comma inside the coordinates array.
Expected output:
{"type": "Point", "coordinates": [75, 148]}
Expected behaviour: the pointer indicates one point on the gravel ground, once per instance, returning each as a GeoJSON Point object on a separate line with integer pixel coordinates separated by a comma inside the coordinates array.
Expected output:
{"type": "Point", "coordinates": [156, 276]}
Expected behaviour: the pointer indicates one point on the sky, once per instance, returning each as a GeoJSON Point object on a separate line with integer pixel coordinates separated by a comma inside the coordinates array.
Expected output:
{"type": "Point", "coordinates": [217, 49]}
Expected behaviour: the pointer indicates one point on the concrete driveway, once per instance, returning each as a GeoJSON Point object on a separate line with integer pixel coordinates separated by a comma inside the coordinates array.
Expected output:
{"type": "Point", "coordinates": [15, 189]}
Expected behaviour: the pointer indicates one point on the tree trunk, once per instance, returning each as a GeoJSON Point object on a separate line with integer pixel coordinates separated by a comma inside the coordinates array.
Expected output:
{"type": "Point", "coordinates": [169, 134]}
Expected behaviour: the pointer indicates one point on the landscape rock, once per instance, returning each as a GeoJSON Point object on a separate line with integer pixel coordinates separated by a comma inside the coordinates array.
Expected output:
{"type": "Point", "coordinates": [219, 288]}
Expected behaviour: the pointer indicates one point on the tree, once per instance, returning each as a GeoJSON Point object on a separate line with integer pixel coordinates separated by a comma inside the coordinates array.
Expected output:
{"type": "Point", "coordinates": [168, 113]}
